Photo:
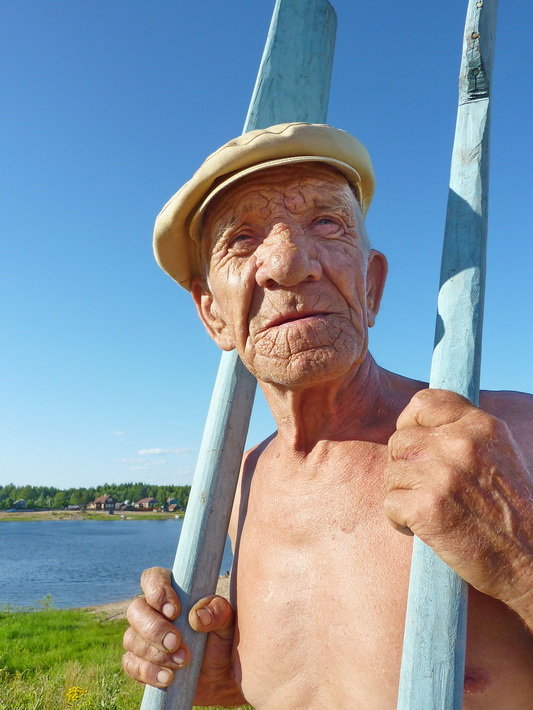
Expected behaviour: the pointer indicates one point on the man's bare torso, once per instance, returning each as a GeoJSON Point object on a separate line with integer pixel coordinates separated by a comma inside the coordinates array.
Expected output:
{"type": "Point", "coordinates": [320, 586]}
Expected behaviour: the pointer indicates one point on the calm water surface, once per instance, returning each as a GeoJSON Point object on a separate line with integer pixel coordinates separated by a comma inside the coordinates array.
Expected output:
{"type": "Point", "coordinates": [83, 562]}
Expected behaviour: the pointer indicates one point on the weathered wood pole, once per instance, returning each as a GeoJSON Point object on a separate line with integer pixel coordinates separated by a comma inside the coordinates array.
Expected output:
{"type": "Point", "coordinates": [435, 630]}
{"type": "Point", "coordinates": [292, 85]}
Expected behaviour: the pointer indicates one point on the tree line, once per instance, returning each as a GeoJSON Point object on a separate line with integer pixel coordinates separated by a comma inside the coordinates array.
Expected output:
{"type": "Point", "coordinates": [50, 497]}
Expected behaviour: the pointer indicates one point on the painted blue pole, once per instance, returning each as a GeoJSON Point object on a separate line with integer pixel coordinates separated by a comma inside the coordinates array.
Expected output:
{"type": "Point", "coordinates": [432, 672]}
{"type": "Point", "coordinates": [292, 85]}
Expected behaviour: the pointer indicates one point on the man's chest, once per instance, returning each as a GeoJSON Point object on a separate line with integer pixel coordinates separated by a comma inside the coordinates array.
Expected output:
{"type": "Point", "coordinates": [320, 585]}
{"type": "Point", "coordinates": [321, 582]}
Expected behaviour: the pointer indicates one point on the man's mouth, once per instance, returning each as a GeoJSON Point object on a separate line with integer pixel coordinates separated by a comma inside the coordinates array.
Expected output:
{"type": "Point", "coordinates": [288, 318]}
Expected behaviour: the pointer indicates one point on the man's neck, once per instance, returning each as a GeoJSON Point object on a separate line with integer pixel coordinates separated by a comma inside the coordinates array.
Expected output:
{"type": "Point", "coordinates": [361, 405]}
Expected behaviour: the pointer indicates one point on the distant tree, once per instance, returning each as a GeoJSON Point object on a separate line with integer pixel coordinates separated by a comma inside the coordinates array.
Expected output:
{"type": "Point", "coordinates": [86, 496]}
{"type": "Point", "coordinates": [11, 491]}
{"type": "Point", "coordinates": [138, 491]}
{"type": "Point", "coordinates": [41, 502]}
{"type": "Point", "coordinates": [60, 500]}
{"type": "Point", "coordinates": [77, 497]}
{"type": "Point", "coordinates": [26, 492]}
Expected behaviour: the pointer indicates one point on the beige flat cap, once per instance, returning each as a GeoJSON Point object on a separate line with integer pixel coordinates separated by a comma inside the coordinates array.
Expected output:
{"type": "Point", "coordinates": [178, 225]}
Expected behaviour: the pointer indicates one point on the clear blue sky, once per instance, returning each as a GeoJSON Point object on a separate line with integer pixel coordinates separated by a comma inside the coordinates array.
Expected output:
{"type": "Point", "coordinates": [109, 107]}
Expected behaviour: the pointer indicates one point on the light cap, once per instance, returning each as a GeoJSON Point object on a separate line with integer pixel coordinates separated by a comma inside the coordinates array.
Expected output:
{"type": "Point", "coordinates": [178, 225]}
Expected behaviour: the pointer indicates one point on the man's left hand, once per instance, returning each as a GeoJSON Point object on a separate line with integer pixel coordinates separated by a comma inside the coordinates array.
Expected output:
{"type": "Point", "coordinates": [456, 478]}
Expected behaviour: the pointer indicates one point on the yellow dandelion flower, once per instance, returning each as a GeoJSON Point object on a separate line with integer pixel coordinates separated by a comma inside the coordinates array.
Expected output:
{"type": "Point", "coordinates": [74, 694]}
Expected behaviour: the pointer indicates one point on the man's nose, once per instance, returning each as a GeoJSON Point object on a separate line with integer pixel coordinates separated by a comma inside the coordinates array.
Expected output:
{"type": "Point", "coordinates": [286, 257]}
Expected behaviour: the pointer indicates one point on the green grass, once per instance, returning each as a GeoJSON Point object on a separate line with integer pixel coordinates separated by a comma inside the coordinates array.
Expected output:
{"type": "Point", "coordinates": [45, 640]}
{"type": "Point", "coordinates": [44, 655]}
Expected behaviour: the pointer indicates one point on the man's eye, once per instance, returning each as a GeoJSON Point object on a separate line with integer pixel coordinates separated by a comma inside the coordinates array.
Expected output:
{"type": "Point", "coordinates": [326, 226]}
{"type": "Point", "coordinates": [242, 243]}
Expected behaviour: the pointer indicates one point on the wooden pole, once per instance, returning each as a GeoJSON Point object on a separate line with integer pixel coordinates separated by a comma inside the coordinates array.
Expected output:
{"type": "Point", "coordinates": [432, 672]}
{"type": "Point", "coordinates": [292, 85]}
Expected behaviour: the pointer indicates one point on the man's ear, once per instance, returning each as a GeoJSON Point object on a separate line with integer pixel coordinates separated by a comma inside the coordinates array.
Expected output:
{"type": "Point", "coordinates": [376, 275]}
{"type": "Point", "coordinates": [209, 315]}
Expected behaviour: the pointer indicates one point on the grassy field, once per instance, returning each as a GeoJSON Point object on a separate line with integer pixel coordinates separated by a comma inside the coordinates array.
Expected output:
{"type": "Point", "coordinates": [58, 660]}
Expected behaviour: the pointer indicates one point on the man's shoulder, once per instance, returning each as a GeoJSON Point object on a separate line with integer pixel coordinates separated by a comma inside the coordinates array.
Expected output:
{"type": "Point", "coordinates": [248, 464]}
{"type": "Point", "coordinates": [516, 410]}
{"type": "Point", "coordinates": [506, 404]}
{"type": "Point", "coordinates": [251, 455]}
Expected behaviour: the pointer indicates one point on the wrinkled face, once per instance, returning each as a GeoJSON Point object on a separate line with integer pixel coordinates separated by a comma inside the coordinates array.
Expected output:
{"type": "Point", "coordinates": [290, 281]}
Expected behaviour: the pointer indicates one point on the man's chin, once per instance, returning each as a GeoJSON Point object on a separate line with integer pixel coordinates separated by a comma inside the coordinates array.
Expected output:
{"type": "Point", "coordinates": [305, 369]}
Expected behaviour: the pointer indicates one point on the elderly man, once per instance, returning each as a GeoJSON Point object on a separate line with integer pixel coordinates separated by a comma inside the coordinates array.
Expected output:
{"type": "Point", "coordinates": [269, 237]}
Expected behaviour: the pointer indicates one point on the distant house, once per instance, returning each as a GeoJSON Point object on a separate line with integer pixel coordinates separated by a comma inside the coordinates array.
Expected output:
{"type": "Point", "coordinates": [167, 505]}
{"type": "Point", "coordinates": [105, 502]}
{"type": "Point", "coordinates": [146, 504]}
{"type": "Point", "coordinates": [21, 503]}
{"type": "Point", "coordinates": [173, 505]}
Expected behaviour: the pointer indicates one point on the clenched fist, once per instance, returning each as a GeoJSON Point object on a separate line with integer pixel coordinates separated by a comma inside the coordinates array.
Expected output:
{"type": "Point", "coordinates": [457, 479]}
{"type": "Point", "coordinates": [154, 650]}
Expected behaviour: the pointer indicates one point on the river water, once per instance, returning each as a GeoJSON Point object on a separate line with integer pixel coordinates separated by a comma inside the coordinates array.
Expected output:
{"type": "Point", "coordinates": [83, 562]}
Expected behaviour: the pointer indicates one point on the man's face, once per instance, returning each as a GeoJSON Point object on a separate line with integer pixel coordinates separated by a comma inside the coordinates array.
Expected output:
{"type": "Point", "coordinates": [290, 281]}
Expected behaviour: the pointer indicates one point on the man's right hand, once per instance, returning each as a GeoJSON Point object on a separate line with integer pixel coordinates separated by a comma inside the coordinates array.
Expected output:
{"type": "Point", "coordinates": [154, 650]}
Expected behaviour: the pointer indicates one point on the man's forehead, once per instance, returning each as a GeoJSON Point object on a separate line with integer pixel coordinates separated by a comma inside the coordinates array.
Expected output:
{"type": "Point", "coordinates": [309, 183]}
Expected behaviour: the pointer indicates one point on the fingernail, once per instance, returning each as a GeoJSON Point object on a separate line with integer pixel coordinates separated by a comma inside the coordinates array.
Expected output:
{"type": "Point", "coordinates": [170, 641]}
{"type": "Point", "coordinates": [169, 610]}
{"type": "Point", "coordinates": [163, 677]}
{"type": "Point", "coordinates": [205, 616]}
{"type": "Point", "coordinates": [179, 657]}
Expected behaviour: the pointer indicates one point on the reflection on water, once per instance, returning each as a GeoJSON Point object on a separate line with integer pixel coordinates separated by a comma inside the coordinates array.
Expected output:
{"type": "Point", "coordinates": [83, 562]}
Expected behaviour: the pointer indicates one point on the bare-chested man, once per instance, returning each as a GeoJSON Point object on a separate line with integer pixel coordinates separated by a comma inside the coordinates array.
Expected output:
{"type": "Point", "coordinates": [270, 239]}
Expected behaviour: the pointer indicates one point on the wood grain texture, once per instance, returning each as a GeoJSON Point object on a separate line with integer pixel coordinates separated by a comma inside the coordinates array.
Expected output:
{"type": "Point", "coordinates": [295, 71]}
{"type": "Point", "coordinates": [435, 633]}
{"type": "Point", "coordinates": [292, 85]}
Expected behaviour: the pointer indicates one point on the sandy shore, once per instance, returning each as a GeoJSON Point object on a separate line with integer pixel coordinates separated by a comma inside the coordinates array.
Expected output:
{"type": "Point", "coordinates": [117, 610]}
{"type": "Point", "coordinates": [83, 515]}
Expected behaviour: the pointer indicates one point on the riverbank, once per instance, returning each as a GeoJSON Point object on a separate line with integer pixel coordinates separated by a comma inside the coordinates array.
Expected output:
{"type": "Point", "coordinates": [32, 515]}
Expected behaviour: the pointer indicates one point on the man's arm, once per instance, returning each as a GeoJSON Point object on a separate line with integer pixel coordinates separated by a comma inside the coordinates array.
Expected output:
{"type": "Point", "coordinates": [153, 646]}
{"type": "Point", "coordinates": [516, 410]}
{"type": "Point", "coordinates": [458, 479]}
